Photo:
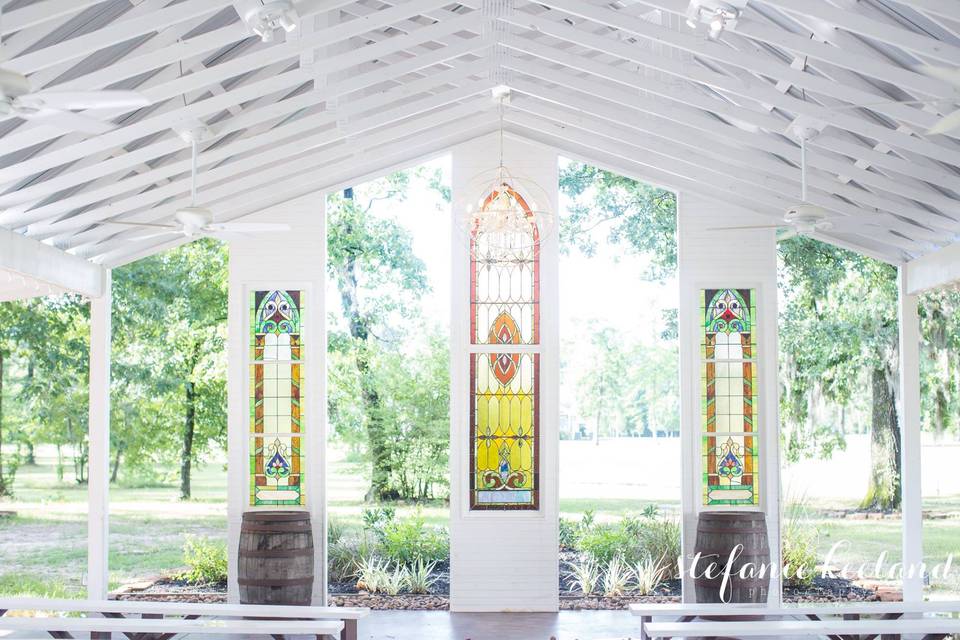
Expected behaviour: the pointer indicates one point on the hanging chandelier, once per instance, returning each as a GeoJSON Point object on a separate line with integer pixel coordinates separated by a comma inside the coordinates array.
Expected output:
{"type": "Point", "coordinates": [509, 215]}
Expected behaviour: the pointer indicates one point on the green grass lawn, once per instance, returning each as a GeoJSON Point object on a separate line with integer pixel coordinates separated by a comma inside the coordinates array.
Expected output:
{"type": "Point", "coordinates": [43, 548]}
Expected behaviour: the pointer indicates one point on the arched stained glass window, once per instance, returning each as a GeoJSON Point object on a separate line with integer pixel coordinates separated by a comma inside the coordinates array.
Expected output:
{"type": "Point", "coordinates": [276, 401]}
{"type": "Point", "coordinates": [504, 359]}
{"type": "Point", "coordinates": [729, 410]}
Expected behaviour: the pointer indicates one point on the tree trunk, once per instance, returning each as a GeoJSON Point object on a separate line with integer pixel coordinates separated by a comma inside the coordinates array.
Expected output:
{"type": "Point", "coordinates": [4, 489]}
{"type": "Point", "coordinates": [377, 441]}
{"type": "Point", "coordinates": [186, 452]}
{"type": "Point", "coordinates": [115, 471]}
{"type": "Point", "coordinates": [883, 492]}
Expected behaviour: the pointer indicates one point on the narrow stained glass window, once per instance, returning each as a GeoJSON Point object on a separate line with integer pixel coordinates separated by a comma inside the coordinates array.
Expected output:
{"type": "Point", "coordinates": [504, 363]}
{"type": "Point", "coordinates": [729, 408]}
{"type": "Point", "coordinates": [276, 409]}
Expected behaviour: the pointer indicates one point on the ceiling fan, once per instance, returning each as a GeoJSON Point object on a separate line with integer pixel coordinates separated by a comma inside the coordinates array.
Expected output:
{"type": "Point", "coordinates": [56, 108]}
{"type": "Point", "coordinates": [803, 218]}
{"type": "Point", "coordinates": [195, 221]}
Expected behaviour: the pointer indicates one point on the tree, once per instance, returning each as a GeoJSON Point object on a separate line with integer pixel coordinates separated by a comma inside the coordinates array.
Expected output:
{"type": "Point", "coordinates": [839, 323]}
{"type": "Point", "coordinates": [170, 313]}
{"type": "Point", "coordinates": [371, 260]}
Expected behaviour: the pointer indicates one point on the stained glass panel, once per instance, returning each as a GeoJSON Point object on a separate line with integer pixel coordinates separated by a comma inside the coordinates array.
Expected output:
{"type": "Point", "coordinates": [729, 397]}
{"type": "Point", "coordinates": [276, 399]}
{"type": "Point", "coordinates": [503, 430]}
{"type": "Point", "coordinates": [505, 282]}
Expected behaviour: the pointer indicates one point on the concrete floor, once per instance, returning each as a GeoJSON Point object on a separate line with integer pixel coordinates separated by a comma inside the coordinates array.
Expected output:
{"type": "Point", "coordinates": [441, 625]}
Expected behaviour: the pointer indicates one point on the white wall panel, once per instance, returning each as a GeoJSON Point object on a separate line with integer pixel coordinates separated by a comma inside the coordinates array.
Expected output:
{"type": "Point", "coordinates": [294, 260]}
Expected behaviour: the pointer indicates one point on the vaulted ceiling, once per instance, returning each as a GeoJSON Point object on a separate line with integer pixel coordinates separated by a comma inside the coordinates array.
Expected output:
{"type": "Point", "coordinates": [363, 86]}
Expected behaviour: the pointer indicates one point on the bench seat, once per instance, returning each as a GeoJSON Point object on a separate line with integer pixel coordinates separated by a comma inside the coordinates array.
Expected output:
{"type": "Point", "coordinates": [103, 627]}
{"type": "Point", "coordinates": [190, 610]}
{"type": "Point", "coordinates": [932, 627]}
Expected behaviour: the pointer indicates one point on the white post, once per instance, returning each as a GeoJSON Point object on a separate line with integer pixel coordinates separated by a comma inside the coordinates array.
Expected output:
{"type": "Point", "coordinates": [910, 479]}
{"type": "Point", "coordinates": [98, 478]}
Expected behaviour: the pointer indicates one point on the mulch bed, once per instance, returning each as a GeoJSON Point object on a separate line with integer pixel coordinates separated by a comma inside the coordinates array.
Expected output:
{"type": "Point", "coordinates": [346, 595]}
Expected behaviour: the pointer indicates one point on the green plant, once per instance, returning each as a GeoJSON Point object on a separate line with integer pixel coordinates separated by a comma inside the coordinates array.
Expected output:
{"type": "Point", "coordinates": [206, 560]}
{"type": "Point", "coordinates": [420, 577]}
{"type": "Point", "coordinates": [648, 573]}
{"type": "Point", "coordinates": [412, 540]}
{"type": "Point", "coordinates": [372, 573]}
{"type": "Point", "coordinates": [616, 578]}
{"type": "Point", "coordinates": [660, 538]}
{"type": "Point", "coordinates": [335, 531]}
{"type": "Point", "coordinates": [799, 546]}
{"type": "Point", "coordinates": [602, 543]}
{"type": "Point", "coordinates": [569, 533]}
{"type": "Point", "coordinates": [344, 555]}
{"type": "Point", "coordinates": [584, 575]}
{"type": "Point", "coordinates": [394, 581]}
{"type": "Point", "coordinates": [376, 519]}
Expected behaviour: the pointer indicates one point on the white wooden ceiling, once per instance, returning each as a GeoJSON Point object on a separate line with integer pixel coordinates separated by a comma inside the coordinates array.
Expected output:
{"type": "Point", "coordinates": [365, 85]}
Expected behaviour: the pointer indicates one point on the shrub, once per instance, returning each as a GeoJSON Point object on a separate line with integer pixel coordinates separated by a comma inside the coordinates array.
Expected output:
{"type": "Point", "coordinates": [616, 578]}
{"type": "Point", "coordinates": [377, 519]}
{"type": "Point", "coordinates": [660, 538]}
{"type": "Point", "coordinates": [420, 577]}
{"type": "Point", "coordinates": [569, 533]}
{"type": "Point", "coordinates": [584, 575]}
{"type": "Point", "coordinates": [394, 581]}
{"type": "Point", "coordinates": [648, 573]}
{"type": "Point", "coordinates": [335, 532]}
{"type": "Point", "coordinates": [372, 573]}
{"type": "Point", "coordinates": [799, 547]}
{"type": "Point", "coordinates": [206, 560]}
{"type": "Point", "coordinates": [603, 543]}
{"type": "Point", "coordinates": [412, 540]}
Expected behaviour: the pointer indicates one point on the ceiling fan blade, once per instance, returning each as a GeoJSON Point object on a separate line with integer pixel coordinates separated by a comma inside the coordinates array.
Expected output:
{"type": "Point", "coordinates": [68, 121]}
{"type": "Point", "coordinates": [787, 234]}
{"type": "Point", "coordinates": [946, 124]}
{"type": "Point", "coordinates": [947, 74]}
{"type": "Point", "coordinates": [247, 227]}
{"type": "Point", "coordinates": [151, 225]}
{"type": "Point", "coordinates": [74, 100]}
{"type": "Point", "coordinates": [152, 235]}
{"type": "Point", "coordinates": [226, 236]}
{"type": "Point", "coordinates": [748, 227]}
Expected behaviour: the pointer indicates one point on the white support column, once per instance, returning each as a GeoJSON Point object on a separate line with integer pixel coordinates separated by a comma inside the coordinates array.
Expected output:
{"type": "Point", "coordinates": [290, 260]}
{"type": "Point", "coordinates": [524, 575]}
{"type": "Point", "coordinates": [712, 259]}
{"type": "Point", "coordinates": [910, 459]}
{"type": "Point", "coordinates": [98, 479]}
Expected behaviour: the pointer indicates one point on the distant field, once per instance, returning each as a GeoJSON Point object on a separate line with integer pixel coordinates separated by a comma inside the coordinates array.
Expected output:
{"type": "Point", "coordinates": [43, 548]}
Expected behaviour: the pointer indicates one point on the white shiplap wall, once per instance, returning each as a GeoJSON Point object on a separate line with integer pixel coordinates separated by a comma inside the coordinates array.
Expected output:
{"type": "Point", "coordinates": [294, 260]}
{"type": "Point", "coordinates": [502, 560]}
{"type": "Point", "coordinates": [726, 259]}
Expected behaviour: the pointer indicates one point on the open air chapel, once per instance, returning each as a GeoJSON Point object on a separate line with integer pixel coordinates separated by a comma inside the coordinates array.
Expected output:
{"type": "Point", "coordinates": [493, 320]}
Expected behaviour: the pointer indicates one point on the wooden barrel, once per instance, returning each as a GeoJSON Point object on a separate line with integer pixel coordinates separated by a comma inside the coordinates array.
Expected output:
{"type": "Point", "coordinates": [718, 533]}
{"type": "Point", "coordinates": [275, 561]}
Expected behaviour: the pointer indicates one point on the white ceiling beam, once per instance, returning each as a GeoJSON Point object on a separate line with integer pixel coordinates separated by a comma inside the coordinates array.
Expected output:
{"type": "Point", "coordinates": [385, 150]}
{"type": "Point", "coordinates": [874, 66]}
{"type": "Point", "coordinates": [275, 53]}
{"type": "Point", "coordinates": [706, 139]}
{"type": "Point", "coordinates": [280, 109]}
{"type": "Point", "coordinates": [303, 151]}
{"type": "Point", "coordinates": [692, 43]}
{"type": "Point", "coordinates": [218, 103]}
{"type": "Point", "coordinates": [862, 25]}
{"type": "Point", "coordinates": [943, 8]}
{"type": "Point", "coordinates": [115, 32]}
{"type": "Point", "coordinates": [760, 91]}
{"type": "Point", "coordinates": [935, 270]}
{"type": "Point", "coordinates": [686, 116]}
{"type": "Point", "coordinates": [776, 183]}
{"type": "Point", "coordinates": [50, 265]}
{"type": "Point", "coordinates": [41, 12]}
{"type": "Point", "coordinates": [269, 140]}
{"type": "Point", "coordinates": [621, 159]}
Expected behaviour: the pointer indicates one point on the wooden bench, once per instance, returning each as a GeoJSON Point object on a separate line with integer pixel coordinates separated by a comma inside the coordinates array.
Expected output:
{"type": "Point", "coordinates": [135, 628]}
{"type": "Point", "coordinates": [188, 611]}
{"type": "Point", "coordinates": [682, 619]}
{"type": "Point", "coordinates": [840, 629]}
